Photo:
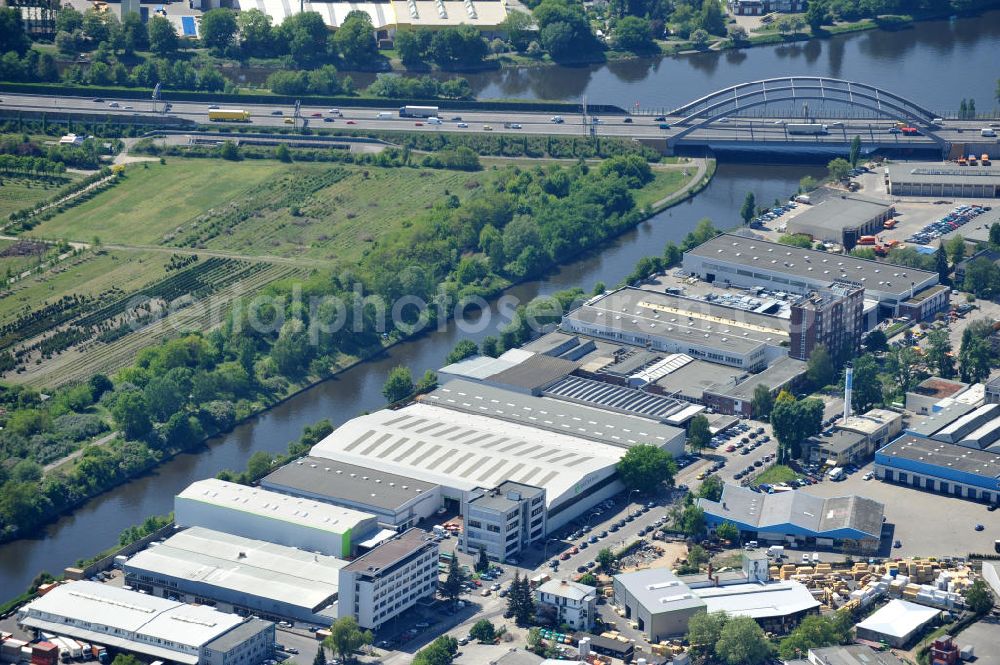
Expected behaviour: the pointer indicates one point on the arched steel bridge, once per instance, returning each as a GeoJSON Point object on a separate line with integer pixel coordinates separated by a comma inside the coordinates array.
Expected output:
{"type": "Point", "coordinates": [731, 101]}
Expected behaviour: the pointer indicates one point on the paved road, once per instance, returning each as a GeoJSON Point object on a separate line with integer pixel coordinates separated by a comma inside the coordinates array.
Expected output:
{"type": "Point", "coordinates": [531, 123]}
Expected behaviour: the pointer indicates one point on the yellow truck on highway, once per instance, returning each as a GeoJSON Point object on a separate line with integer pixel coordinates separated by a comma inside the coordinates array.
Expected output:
{"type": "Point", "coordinates": [229, 115]}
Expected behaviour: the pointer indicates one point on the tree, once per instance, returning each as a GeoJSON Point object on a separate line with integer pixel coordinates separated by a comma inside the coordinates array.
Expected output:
{"type": "Point", "coordinates": [411, 45]}
{"type": "Point", "coordinates": [819, 368]}
{"type": "Point", "coordinates": [699, 37]}
{"type": "Point", "coordinates": [995, 234]}
{"type": "Point", "coordinates": [838, 167]}
{"type": "Point", "coordinates": [606, 560]}
{"type": "Point", "coordinates": [645, 467]}
{"type": "Point", "coordinates": [483, 562]}
{"type": "Point", "coordinates": [693, 521]}
{"type": "Point", "coordinates": [635, 34]}
{"type": "Point", "coordinates": [876, 341]}
{"type": "Point", "coordinates": [399, 384]}
{"type": "Point", "coordinates": [762, 402]}
{"type": "Point", "coordinates": [793, 422]}
{"type": "Point", "coordinates": [355, 39]}
{"type": "Point", "coordinates": [26, 471]}
{"type": "Point", "coordinates": [939, 353]}
{"type": "Point", "coordinates": [941, 264]}
{"type": "Point", "coordinates": [441, 651]}
{"type": "Point", "coordinates": [974, 360]}
{"type": "Point", "coordinates": [978, 598]}
{"type": "Point", "coordinates": [135, 37]}
{"type": "Point", "coordinates": [727, 531]}
{"type": "Point", "coordinates": [162, 36]}
{"type": "Point", "coordinates": [742, 641]}
{"type": "Point", "coordinates": [749, 207]}
{"type": "Point", "coordinates": [218, 28]}
{"type": "Point", "coordinates": [963, 110]}
{"type": "Point", "coordinates": [320, 657]}
{"type": "Point", "coordinates": [255, 33]}
{"type": "Point", "coordinates": [452, 586]}
{"type": "Point", "coordinates": [12, 34]}
{"type": "Point", "coordinates": [518, 26]}
{"type": "Point", "coordinates": [738, 34]}
{"type": "Point", "coordinates": [816, 631]}
{"type": "Point", "coordinates": [131, 415]}
{"type": "Point", "coordinates": [307, 36]}
{"type": "Point", "coordinates": [982, 278]}
{"type": "Point", "coordinates": [520, 601]}
{"type": "Point", "coordinates": [465, 348]}
{"type": "Point", "coordinates": [704, 630]}
{"type": "Point", "coordinates": [457, 46]}
{"type": "Point", "coordinates": [483, 631]}
{"type": "Point", "coordinates": [230, 151]}
{"type": "Point", "coordinates": [867, 390]}
{"type": "Point", "coordinates": [817, 14]}
{"type": "Point", "coordinates": [699, 433]}
{"type": "Point", "coordinates": [346, 637]}
{"type": "Point", "coordinates": [956, 249]}
{"type": "Point", "coordinates": [854, 156]}
{"type": "Point", "coordinates": [711, 488]}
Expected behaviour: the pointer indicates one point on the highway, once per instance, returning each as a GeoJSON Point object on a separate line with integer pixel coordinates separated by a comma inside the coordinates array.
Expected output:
{"type": "Point", "coordinates": [635, 126]}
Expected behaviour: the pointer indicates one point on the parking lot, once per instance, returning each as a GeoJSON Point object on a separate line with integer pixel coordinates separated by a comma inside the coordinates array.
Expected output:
{"type": "Point", "coordinates": [984, 637]}
{"type": "Point", "coordinates": [925, 523]}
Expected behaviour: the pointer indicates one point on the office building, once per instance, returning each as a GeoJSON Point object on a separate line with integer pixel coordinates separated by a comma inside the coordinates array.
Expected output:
{"type": "Point", "coordinates": [851, 523]}
{"type": "Point", "coordinates": [897, 624]}
{"type": "Point", "coordinates": [462, 452]}
{"type": "Point", "coordinates": [837, 448]}
{"type": "Point", "coordinates": [251, 577]}
{"type": "Point", "coordinates": [842, 219]}
{"type": "Point", "coordinates": [503, 521]}
{"type": "Point", "coordinates": [561, 602]}
{"type": "Point", "coordinates": [936, 180]}
{"type": "Point", "coordinates": [750, 262]}
{"type": "Point", "coordinates": [257, 513]}
{"type": "Point", "coordinates": [397, 502]}
{"type": "Point", "coordinates": [832, 317]}
{"type": "Point", "coordinates": [942, 467]}
{"type": "Point", "coordinates": [880, 426]}
{"type": "Point", "coordinates": [153, 627]}
{"type": "Point", "coordinates": [387, 581]}
{"type": "Point", "coordinates": [762, 7]}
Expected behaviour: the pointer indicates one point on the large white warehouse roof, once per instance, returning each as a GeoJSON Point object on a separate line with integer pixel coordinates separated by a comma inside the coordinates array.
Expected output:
{"type": "Point", "coordinates": [264, 503]}
{"type": "Point", "coordinates": [465, 451]}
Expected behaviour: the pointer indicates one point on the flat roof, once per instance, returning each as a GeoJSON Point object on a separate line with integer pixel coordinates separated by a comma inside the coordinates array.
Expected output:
{"type": "Point", "coordinates": [899, 618]}
{"type": "Point", "coordinates": [133, 612]}
{"type": "Point", "coordinates": [936, 172]}
{"type": "Point", "coordinates": [241, 633]}
{"type": "Point", "coordinates": [273, 505]}
{"type": "Point", "coordinates": [323, 477]}
{"type": "Point", "coordinates": [932, 422]}
{"type": "Point", "coordinates": [777, 374]}
{"type": "Point", "coordinates": [619, 398]}
{"type": "Point", "coordinates": [692, 380]}
{"type": "Point", "coordinates": [659, 590]}
{"type": "Point", "coordinates": [759, 601]}
{"type": "Point", "coordinates": [870, 422]}
{"type": "Point", "coordinates": [465, 451]}
{"type": "Point", "coordinates": [497, 498]}
{"type": "Point", "coordinates": [843, 212]}
{"type": "Point", "coordinates": [254, 567]}
{"type": "Point", "coordinates": [554, 415]}
{"type": "Point", "coordinates": [812, 264]}
{"type": "Point", "coordinates": [481, 13]}
{"type": "Point", "coordinates": [535, 372]}
{"type": "Point", "coordinates": [834, 517]}
{"type": "Point", "coordinates": [852, 654]}
{"type": "Point", "coordinates": [935, 386]}
{"type": "Point", "coordinates": [981, 463]}
{"type": "Point", "coordinates": [685, 320]}
{"type": "Point", "coordinates": [392, 551]}
{"type": "Point", "coordinates": [839, 440]}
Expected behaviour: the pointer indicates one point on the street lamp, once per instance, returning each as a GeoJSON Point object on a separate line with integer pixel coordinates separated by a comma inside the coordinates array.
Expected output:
{"type": "Point", "coordinates": [629, 499]}
{"type": "Point", "coordinates": [545, 548]}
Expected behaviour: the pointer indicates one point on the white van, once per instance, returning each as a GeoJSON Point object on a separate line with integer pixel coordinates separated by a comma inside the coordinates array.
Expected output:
{"type": "Point", "coordinates": [986, 131]}
{"type": "Point", "coordinates": [433, 121]}
{"type": "Point", "coordinates": [382, 115]}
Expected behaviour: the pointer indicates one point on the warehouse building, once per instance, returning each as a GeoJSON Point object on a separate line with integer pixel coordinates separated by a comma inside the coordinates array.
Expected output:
{"type": "Point", "coordinates": [852, 523]}
{"type": "Point", "coordinates": [837, 448]}
{"type": "Point", "coordinates": [619, 399]}
{"type": "Point", "coordinates": [257, 513]}
{"type": "Point", "coordinates": [750, 262]}
{"type": "Point", "coordinates": [398, 502]}
{"type": "Point", "coordinates": [734, 395]}
{"type": "Point", "coordinates": [925, 397]}
{"type": "Point", "coordinates": [252, 577]}
{"type": "Point", "coordinates": [940, 467]}
{"type": "Point", "coordinates": [516, 370]}
{"type": "Point", "coordinates": [463, 452]}
{"type": "Point", "coordinates": [662, 604]}
{"type": "Point", "coordinates": [149, 626]}
{"type": "Point", "coordinates": [842, 220]}
{"type": "Point", "coordinates": [852, 654]}
{"type": "Point", "coordinates": [556, 416]}
{"type": "Point", "coordinates": [930, 179]}
{"type": "Point", "coordinates": [897, 624]}
{"type": "Point", "coordinates": [382, 584]}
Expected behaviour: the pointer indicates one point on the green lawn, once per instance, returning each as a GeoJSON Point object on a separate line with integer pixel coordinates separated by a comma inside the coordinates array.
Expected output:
{"type": "Point", "coordinates": [665, 182]}
{"type": "Point", "coordinates": [779, 473]}
{"type": "Point", "coordinates": [18, 192]}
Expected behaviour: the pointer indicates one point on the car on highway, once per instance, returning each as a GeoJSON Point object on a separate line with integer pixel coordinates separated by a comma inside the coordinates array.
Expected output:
{"type": "Point", "coordinates": [487, 128]}
{"type": "Point", "coordinates": [660, 118]}
{"type": "Point", "coordinates": [351, 122]}
{"type": "Point", "coordinates": [277, 113]}
{"type": "Point", "coordinates": [113, 105]}
{"type": "Point", "coordinates": [336, 112]}
{"type": "Point", "coordinates": [462, 125]}
{"type": "Point", "coordinates": [897, 544]}
{"type": "Point", "coordinates": [316, 115]}
{"type": "Point", "coordinates": [558, 119]}
{"type": "Point", "coordinates": [895, 130]}
{"type": "Point", "coordinates": [128, 108]}
{"type": "Point", "coordinates": [213, 107]}
{"type": "Point", "coordinates": [723, 119]}
{"type": "Point", "coordinates": [516, 125]}
{"type": "Point", "coordinates": [327, 119]}
{"type": "Point", "coordinates": [98, 100]}
{"type": "Point", "coordinates": [627, 121]}
{"type": "Point", "coordinates": [418, 124]}
{"type": "Point", "coordinates": [289, 121]}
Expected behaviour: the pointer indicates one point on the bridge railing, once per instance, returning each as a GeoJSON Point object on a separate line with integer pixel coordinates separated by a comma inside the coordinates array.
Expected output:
{"type": "Point", "coordinates": [819, 111]}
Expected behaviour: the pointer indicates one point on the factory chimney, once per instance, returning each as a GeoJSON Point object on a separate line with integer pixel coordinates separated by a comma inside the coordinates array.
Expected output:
{"type": "Point", "coordinates": [848, 385]}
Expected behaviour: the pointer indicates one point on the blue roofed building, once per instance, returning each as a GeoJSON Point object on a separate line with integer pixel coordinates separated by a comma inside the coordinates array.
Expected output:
{"type": "Point", "coordinates": [851, 523]}
{"type": "Point", "coordinates": [940, 466]}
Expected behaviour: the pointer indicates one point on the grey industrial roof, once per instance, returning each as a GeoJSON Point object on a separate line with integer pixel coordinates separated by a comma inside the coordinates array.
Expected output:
{"type": "Point", "coordinates": [496, 499]}
{"type": "Point", "coordinates": [852, 654]}
{"type": "Point", "coordinates": [245, 565]}
{"type": "Point", "coordinates": [618, 398]}
{"type": "Point", "coordinates": [688, 321]}
{"type": "Point", "coordinates": [931, 172]}
{"type": "Point", "coordinates": [811, 264]}
{"type": "Point", "coordinates": [777, 374]}
{"type": "Point", "coordinates": [838, 440]}
{"type": "Point", "coordinates": [534, 373]}
{"type": "Point", "coordinates": [392, 551]}
{"type": "Point", "coordinates": [844, 212]}
{"type": "Point", "coordinates": [692, 380]}
{"type": "Point", "coordinates": [659, 590]}
{"type": "Point", "coordinates": [797, 508]}
{"type": "Point", "coordinates": [551, 414]}
{"type": "Point", "coordinates": [233, 638]}
{"type": "Point", "coordinates": [972, 425]}
{"type": "Point", "coordinates": [326, 478]}
{"type": "Point", "coordinates": [948, 455]}
{"type": "Point", "coordinates": [931, 423]}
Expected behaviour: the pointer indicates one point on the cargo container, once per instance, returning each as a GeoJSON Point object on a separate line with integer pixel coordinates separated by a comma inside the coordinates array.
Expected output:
{"type": "Point", "coordinates": [867, 240]}
{"type": "Point", "coordinates": [806, 128]}
{"type": "Point", "coordinates": [44, 653]}
{"type": "Point", "coordinates": [10, 650]}
{"type": "Point", "coordinates": [418, 111]}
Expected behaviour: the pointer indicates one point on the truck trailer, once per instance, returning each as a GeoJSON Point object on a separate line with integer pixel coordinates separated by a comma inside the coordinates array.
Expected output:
{"type": "Point", "coordinates": [229, 115]}
{"type": "Point", "coordinates": [806, 128]}
{"type": "Point", "coordinates": [418, 111]}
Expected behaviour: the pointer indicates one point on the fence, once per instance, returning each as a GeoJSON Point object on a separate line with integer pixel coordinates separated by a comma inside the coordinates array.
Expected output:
{"type": "Point", "coordinates": [107, 562]}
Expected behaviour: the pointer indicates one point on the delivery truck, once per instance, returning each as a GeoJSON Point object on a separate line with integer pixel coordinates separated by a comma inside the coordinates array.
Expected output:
{"type": "Point", "coordinates": [229, 115]}
{"type": "Point", "coordinates": [806, 128]}
{"type": "Point", "coordinates": [418, 111]}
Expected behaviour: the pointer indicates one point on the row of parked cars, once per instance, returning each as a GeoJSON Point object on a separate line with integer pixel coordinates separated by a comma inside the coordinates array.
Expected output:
{"type": "Point", "coordinates": [750, 468]}
{"type": "Point", "coordinates": [772, 214]}
{"type": "Point", "coordinates": [958, 217]}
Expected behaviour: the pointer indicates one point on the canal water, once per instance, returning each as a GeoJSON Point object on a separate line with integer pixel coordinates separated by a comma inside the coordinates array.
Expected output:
{"type": "Point", "coordinates": [936, 63]}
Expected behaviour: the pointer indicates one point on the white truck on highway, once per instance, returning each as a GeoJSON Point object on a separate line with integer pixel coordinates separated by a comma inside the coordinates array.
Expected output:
{"type": "Point", "coordinates": [806, 128]}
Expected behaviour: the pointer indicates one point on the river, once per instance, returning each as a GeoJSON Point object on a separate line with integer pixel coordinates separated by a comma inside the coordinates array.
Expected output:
{"type": "Point", "coordinates": [937, 63]}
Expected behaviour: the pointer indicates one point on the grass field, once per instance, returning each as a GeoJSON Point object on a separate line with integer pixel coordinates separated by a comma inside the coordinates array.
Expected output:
{"type": "Point", "coordinates": [779, 473]}
{"type": "Point", "coordinates": [665, 182]}
{"type": "Point", "coordinates": [18, 192]}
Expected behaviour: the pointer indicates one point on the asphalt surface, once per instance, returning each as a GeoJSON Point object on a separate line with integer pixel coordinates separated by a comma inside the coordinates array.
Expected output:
{"type": "Point", "coordinates": [734, 129]}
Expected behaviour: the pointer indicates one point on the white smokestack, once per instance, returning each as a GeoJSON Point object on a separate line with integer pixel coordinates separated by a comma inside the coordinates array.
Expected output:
{"type": "Point", "coordinates": [848, 385]}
